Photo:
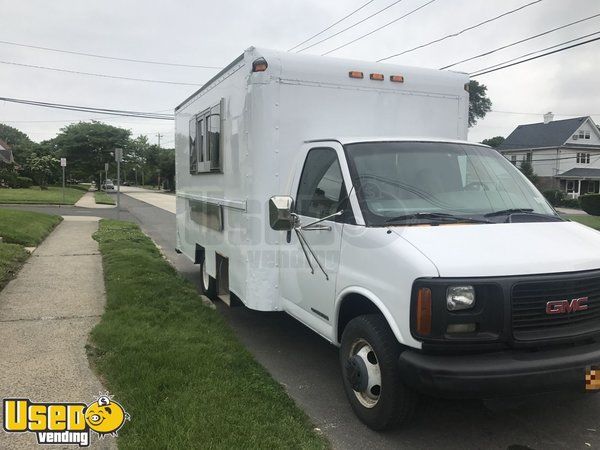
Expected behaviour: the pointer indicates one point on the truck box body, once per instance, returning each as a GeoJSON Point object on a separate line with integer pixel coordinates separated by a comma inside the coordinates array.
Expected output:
{"type": "Point", "coordinates": [345, 194]}
{"type": "Point", "coordinates": [265, 117]}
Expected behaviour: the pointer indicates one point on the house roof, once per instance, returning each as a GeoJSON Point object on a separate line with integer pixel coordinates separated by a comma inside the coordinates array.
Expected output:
{"type": "Point", "coordinates": [581, 173]}
{"type": "Point", "coordinates": [535, 135]}
{"type": "Point", "coordinates": [6, 154]}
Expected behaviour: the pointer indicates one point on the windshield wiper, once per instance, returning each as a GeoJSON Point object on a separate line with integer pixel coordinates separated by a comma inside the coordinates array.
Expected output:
{"type": "Point", "coordinates": [443, 217]}
{"type": "Point", "coordinates": [525, 211]}
{"type": "Point", "coordinates": [508, 212]}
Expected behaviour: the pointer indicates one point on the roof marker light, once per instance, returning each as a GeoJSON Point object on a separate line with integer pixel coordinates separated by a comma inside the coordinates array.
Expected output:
{"type": "Point", "coordinates": [397, 78]}
{"type": "Point", "coordinates": [355, 74]}
{"type": "Point", "coordinates": [259, 65]}
{"type": "Point", "coordinates": [377, 76]}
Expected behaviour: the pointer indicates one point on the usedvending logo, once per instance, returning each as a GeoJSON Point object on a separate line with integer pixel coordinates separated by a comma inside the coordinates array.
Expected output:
{"type": "Point", "coordinates": [64, 423]}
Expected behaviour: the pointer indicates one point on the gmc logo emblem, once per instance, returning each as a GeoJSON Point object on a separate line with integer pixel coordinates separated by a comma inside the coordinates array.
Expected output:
{"type": "Point", "coordinates": [566, 306]}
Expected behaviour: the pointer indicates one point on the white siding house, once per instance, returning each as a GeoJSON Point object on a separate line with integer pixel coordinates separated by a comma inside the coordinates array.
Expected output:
{"type": "Point", "coordinates": [565, 154]}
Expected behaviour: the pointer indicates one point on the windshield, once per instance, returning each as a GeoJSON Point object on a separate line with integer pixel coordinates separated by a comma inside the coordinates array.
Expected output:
{"type": "Point", "coordinates": [398, 179]}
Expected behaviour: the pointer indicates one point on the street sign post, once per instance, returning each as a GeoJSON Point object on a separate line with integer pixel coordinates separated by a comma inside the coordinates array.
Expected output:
{"type": "Point", "coordinates": [118, 159]}
{"type": "Point", "coordinates": [63, 164]}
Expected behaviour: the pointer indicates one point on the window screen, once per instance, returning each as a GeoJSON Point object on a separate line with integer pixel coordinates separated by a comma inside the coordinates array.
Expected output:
{"type": "Point", "coordinates": [205, 140]}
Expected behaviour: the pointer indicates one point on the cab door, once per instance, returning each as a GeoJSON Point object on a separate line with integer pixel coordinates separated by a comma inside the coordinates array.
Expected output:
{"type": "Point", "coordinates": [320, 191]}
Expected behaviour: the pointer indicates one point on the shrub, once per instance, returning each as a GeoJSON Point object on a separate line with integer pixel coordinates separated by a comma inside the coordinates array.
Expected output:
{"type": "Point", "coordinates": [23, 182]}
{"type": "Point", "coordinates": [590, 203]}
{"type": "Point", "coordinates": [570, 203]}
{"type": "Point", "coordinates": [555, 197]}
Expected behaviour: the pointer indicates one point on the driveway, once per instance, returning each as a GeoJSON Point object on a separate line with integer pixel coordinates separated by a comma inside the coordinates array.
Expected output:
{"type": "Point", "coordinates": [308, 367]}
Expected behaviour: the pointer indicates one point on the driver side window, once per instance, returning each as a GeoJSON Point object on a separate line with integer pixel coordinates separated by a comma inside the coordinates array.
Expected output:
{"type": "Point", "coordinates": [321, 191]}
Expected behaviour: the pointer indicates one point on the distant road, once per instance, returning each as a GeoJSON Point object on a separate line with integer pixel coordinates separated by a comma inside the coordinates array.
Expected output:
{"type": "Point", "coordinates": [154, 198]}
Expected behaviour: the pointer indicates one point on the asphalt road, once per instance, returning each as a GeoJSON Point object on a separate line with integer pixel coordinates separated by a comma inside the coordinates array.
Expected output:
{"type": "Point", "coordinates": [308, 368]}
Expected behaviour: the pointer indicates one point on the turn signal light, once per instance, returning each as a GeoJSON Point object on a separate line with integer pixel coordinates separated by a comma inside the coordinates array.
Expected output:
{"type": "Point", "coordinates": [424, 311]}
{"type": "Point", "coordinates": [397, 78]}
{"type": "Point", "coordinates": [377, 76]}
{"type": "Point", "coordinates": [355, 74]}
{"type": "Point", "coordinates": [259, 65]}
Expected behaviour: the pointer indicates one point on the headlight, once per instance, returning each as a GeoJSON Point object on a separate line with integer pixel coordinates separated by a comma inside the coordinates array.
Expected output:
{"type": "Point", "coordinates": [460, 297]}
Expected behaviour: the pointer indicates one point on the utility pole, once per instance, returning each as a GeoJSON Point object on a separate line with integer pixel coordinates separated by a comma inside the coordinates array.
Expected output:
{"type": "Point", "coordinates": [159, 136]}
{"type": "Point", "coordinates": [118, 159]}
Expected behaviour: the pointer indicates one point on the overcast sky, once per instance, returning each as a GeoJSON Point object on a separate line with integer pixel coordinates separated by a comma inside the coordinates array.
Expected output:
{"type": "Point", "coordinates": [215, 32]}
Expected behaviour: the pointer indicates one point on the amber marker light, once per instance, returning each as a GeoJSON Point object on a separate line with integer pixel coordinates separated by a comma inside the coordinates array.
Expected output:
{"type": "Point", "coordinates": [377, 76]}
{"type": "Point", "coordinates": [397, 78]}
{"type": "Point", "coordinates": [355, 74]}
{"type": "Point", "coordinates": [424, 311]}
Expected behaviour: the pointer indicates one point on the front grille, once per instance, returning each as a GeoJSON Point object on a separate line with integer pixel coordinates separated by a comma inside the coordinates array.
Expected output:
{"type": "Point", "coordinates": [530, 320]}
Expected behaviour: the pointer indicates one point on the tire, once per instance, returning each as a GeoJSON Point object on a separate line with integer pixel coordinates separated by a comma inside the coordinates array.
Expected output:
{"type": "Point", "coordinates": [371, 376]}
{"type": "Point", "coordinates": [208, 284]}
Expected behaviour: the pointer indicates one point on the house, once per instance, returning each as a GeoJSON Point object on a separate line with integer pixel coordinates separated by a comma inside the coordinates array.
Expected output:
{"type": "Point", "coordinates": [6, 154]}
{"type": "Point", "coordinates": [565, 154]}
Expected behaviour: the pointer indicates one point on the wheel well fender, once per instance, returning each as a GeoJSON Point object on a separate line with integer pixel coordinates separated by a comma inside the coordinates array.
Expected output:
{"type": "Point", "coordinates": [199, 255]}
{"type": "Point", "coordinates": [353, 302]}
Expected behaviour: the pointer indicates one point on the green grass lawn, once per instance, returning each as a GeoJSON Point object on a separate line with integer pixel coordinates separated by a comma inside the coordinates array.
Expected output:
{"type": "Point", "coordinates": [24, 227]}
{"type": "Point", "coordinates": [34, 195]}
{"type": "Point", "coordinates": [18, 229]}
{"type": "Point", "coordinates": [176, 366]}
{"type": "Point", "coordinates": [103, 198]}
{"type": "Point", "coordinates": [590, 221]}
{"type": "Point", "coordinates": [12, 257]}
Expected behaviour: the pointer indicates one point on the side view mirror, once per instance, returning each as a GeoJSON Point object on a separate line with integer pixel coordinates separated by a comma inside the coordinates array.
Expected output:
{"type": "Point", "coordinates": [280, 213]}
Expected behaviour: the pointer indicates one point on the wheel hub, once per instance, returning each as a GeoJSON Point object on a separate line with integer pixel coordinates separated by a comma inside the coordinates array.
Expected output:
{"type": "Point", "coordinates": [356, 373]}
{"type": "Point", "coordinates": [364, 373]}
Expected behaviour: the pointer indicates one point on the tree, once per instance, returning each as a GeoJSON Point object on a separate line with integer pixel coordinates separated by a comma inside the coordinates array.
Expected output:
{"type": "Point", "coordinates": [87, 146]}
{"type": "Point", "coordinates": [42, 167]}
{"type": "Point", "coordinates": [479, 103]}
{"type": "Point", "coordinates": [493, 142]}
{"type": "Point", "coordinates": [19, 142]}
{"type": "Point", "coordinates": [527, 170]}
{"type": "Point", "coordinates": [167, 167]}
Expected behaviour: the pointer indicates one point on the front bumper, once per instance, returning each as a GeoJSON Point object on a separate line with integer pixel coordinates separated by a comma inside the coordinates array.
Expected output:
{"type": "Point", "coordinates": [498, 374]}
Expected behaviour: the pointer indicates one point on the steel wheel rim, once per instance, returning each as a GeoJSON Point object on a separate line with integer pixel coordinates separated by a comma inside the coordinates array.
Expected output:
{"type": "Point", "coordinates": [368, 397]}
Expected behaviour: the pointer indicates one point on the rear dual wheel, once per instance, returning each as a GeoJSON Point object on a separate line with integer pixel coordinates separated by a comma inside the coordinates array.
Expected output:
{"type": "Point", "coordinates": [372, 379]}
{"type": "Point", "coordinates": [208, 284]}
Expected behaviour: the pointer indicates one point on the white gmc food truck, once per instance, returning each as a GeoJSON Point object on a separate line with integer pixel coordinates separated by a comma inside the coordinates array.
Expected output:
{"type": "Point", "coordinates": [345, 194]}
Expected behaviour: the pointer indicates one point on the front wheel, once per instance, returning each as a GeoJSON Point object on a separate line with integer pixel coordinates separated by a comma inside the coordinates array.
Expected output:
{"type": "Point", "coordinates": [372, 380]}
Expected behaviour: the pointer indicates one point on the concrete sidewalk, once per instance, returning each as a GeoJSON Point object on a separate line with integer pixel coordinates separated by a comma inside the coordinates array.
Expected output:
{"type": "Point", "coordinates": [88, 201]}
{"type": "Point", "coordinates": [46, 314]}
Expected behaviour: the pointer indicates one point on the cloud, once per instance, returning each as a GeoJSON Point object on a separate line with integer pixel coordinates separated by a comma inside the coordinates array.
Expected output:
{"type": "Point", "coordinates": [214, 33]}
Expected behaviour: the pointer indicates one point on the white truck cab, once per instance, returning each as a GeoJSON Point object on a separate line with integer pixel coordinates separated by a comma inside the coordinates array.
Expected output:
{"type": "Point", "coordinates": [432, 262]}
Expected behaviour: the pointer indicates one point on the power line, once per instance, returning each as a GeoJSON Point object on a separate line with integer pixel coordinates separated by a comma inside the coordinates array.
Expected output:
{"type": "Point", "coordinates": [484, 71]}
{"type": "Point", "coordinates": [379, 28]}
{"type": "Point", "coordinates": [461, 31]}
{"type": "Point", "coordinates": [112, 112]}
{"type": "Point", "coordinates": [538, 51]}
{"type": "Point", "coordinates": [351, 26]}
{"type": "Point", "coordinates": [116, 58]}
{"type": "Point", "coordinates": [99, 74]}
{"type": "Point", "coordinates": [520, 41]}
{"type": "Point", "coordinates": [330, 26]}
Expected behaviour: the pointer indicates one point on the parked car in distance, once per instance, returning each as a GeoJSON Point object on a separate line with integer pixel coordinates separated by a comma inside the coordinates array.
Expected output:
{"type": "Point", "coordinates": [108, 185]}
